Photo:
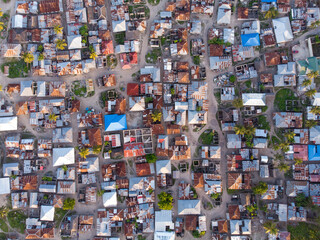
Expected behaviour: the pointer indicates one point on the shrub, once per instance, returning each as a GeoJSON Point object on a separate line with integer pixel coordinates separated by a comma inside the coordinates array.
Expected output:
{"type": "Point", "coordinates": [17, 220]}
{"type": "Point", "coordinates": [69, 204]}
{"type": "Point", "coordinates": [261, 188]}
{"type": "Point", "coordinates": [151, 158]}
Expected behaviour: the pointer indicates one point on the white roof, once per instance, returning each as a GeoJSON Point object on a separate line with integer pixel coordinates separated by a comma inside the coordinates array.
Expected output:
{"type": "Point", "coordinates": [110, 199]}
{"type": "Point", "coordinates": [41, 90]}
{"type": "Point", "coordinates": [282, 29]}
{"type": "Point", "coordinates": [189, 207]}
{"type": "Point", "coordinates": [228, 35]}
{"type": "Point", "coordinates": [47, 213]}
{"type": "Point", "coordinates": [316, 99]}
{"type": "Point", "coordinates": [33, 200]}
{"type": "Point", "coordinates": [224, 14]}
{"type": "Point", "coordinates": [5, 185]}
{"type": "Point", "coordinates": [63, 156]}
{"type": "Point", "coordinates": [17, 21]}
{"type": "Point", "coordinates": [164, 236]}
{"type": "Point", "coordinates": [9, 123]}
{"type": "Point", "coordinates": [47, 188]}
{"type": "Point", "coordinates": [163, 218]}
{"type": "Point", "coordinates": [119, 26]}
{"type": "Point", "coordinates": [254, 99]}
{"type": "Point", "coordinates": [163, 166]}
{"type": "Point", "coordinates": [26, 88]}
{"type": "Point", "coordinates": [74, 42]}
{"type": "Point", "coordinates": [283, 212]}
{"type": "Point", "coordinates": [8, 168]}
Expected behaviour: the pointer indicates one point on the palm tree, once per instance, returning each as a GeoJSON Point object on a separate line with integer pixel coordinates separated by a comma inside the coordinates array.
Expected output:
{"type": "Point", "coordinates": [240, 130]}
{"type": "Point", "coordinates": [298, 161]}
{"type": "Point", "coordinates": [96, 149]}
{"type": "Point", "coordinates": [237, 103]}
{"type": "Point", "coordinates": [58, 29]}
{"type": "Point", "coordinates": [271, 13]}
{"type": "Point", "coordinates": [250, 130]}
{"type": "Point", "coordinates": [310, 93]}
{"type": "Point", "coordinates": [84, 152]}
{"type": "Point", "coordinates": [290, 136]}
{"type": "Point", "coordinates": [313, 74]}
{"type": "Point", "coordinates": [278, 157]}
{"type": "Point", "coordinates": [284, 146]}
{"type": "Point", "coordinates": [310, 123]}
{"type": "Point", "coordinates": [307, 82]}
{"type": "Point", "coordinates": [315, 110]}
{"type": "Point", "coordinates": [2, 26]}
{"type": "Point", "coordinates": [3, 212]}
{"type": "Point", "coordinates": [61, 44]}
{"type": "Point", "coordinates": [271, 228]}
{"type": "Point", "coordinates": [283, 167]}
{"type": "Point", "coordinates": [156, 116]}
{"type": "Point", "coordinates": [93, 55]}
{"type": "Point", "coordinates": [64, 168]}
{"type": "Point", "coordinates": [28, 57]}
{"type": "Point", "coordinates": [53, 117]}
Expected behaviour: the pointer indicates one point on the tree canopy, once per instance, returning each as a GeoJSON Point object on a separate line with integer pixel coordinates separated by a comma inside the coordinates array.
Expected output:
{"type": "Point", "coordinates": [261, 188]}
{"type": "Point", "coordinates": [69, 204]}
{"type": "Point", "coordinates": [165, 202]}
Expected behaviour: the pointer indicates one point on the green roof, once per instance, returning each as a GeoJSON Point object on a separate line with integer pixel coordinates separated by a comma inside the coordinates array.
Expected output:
{"type": "Point", "coordinates": [309, 65]}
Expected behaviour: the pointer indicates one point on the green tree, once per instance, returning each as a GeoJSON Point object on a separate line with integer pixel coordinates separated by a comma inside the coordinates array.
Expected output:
{"type": "Point", "coordinates": [237, 103]}
{"type": "Point", "coordinates": [303, 201]}
{"type": "Point", "coordinates": [151, 158]}
{"type": "Point", "coordinates": [53, 117]}
{"type": "Point", "coordinates": [165, 201]}
{"type": "Point", "coordinates": [260, 189]}
{"type": "Point", "coordinates": [40, 57]}
{"type": "Point", "coordinates": [271, 228]}
{"type": "Point", "coordinates": [284, 146]}
{"type": "Point", "coordinates": [232, 78]}
{"type": "Point", "coordinates": [3, 212]}
{"type": "Point", "coordinates": [156, 116]}
{"type": "Point", "coordinates": [278, 157]}
{"type": "Point", "coordinates": [61, 44]}
{"type": "Point", "coordinates": [84, 31]}
{"type": "Point", "coordinates": [310, 93]}
{"type": "Point", "coordinates": [84, 152]}
{"type": "Point", "coordinates": [100, 193]}
{"type": "Point", "coordinates": [69, 204]}
{"type": "Point", "coordinates": [240, 130]}
{"type": "Point", "coordinates": [283, 167]}
{"type": "Point", "coordinates": [58, 29]}
{"type": "Point", "coordinates": [172, 91]}
{"type": "Point", "coordinates": [64, 168]}
{"type": "Point", "coordinates": [28, 57]}
{"type": "Point", "coordinates": [250, 130]}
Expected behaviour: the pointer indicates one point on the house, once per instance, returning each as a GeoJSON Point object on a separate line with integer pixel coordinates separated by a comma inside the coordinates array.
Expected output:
{"type": "Point", "coordinates": [10, 169]}
{"type": "Point", "coordinates": [163, 221]}
{"type": "Point", "coordinates": [74, 42]}
{"type": "Point", "coordinates": [62, 135]}
{"type": "Point", "coordinates": [63, 156]}
{"type": "Point", "coordinates": [287, 119]}
{"type": "Point", "coordinates": [115, 122]}
{"type": "Point", "coordinates": [119, 26]}
{"type": "Point", "coordinates": [144, 169]}
{"type": "Point", "coordinates": [314, 152]}
{"type": "Point", "coordinates": [5, 186]}
{"type": "Point", "coordinates": [239, 181]}
{"type": "Point", "coordinates": [66, 187]}
{"type": "Point", "coordinates": [250, 40]}
{"type": "Point", "coordinates": [282, 30]}
{"type": "Point", "coordinates": [254, 99]}
{"type": "Point", "coordinates": [110, 199]}
{"type": "Point", "coordinates": [163, 171]}
{"type": "Point", "coordinates": [189, 207]}
{"type": "Point", "coordinates": [11, 50]}
{"type": "Point", "coordinates": [315, 135]}
{"type": "Point", "coordinates": [296, 187]}
{"type": "Point", "coordinates": [234, 141]}
{"type": "Point", "coordinates": [137, 104]}
{"type": "Point", "coordinates": [8, 123]}
{"type": "Point", "coordinates": [220, 63]}
{"type": "Point", "coordinates": [286, 75]}
{"type": "Point", "coordinates": [47, 213]}
{"type": "Point", "coordinates": [224, 14]}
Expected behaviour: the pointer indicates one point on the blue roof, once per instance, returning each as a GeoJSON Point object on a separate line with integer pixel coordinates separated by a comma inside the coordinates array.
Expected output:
{"type": "Point", "coordinates": [314, 152]}
{"type": "Point", "coordinates": [268, 1]}
{"type": "Point", "coordinates": [115, 122]}
{"type": "Point", "coordinates": [250, 40]}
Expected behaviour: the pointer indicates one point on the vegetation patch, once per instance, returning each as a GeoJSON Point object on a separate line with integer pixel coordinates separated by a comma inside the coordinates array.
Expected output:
{"type": "Point", "coordinates": [263, 122]}
{"type": "Point", "coordinates": [154, 2]}
{"type": "Point", "coordinates": [112, 61]}
{"type": "Point", "coordinates": [17, 220]}
{"type": "Point", "coordinates": [120, 37]}
{"type": "Point", "coordinates": [152, 57]}
{"type": "Point", "coordinates": [79, 89]}
{"type": "Point", "coordinates": [3, 225]}
{"type": "Point", "coordinates": [59, 213]}
{"type": "Point", "coordinates": [196, 60]}
{"type": "Point", "coordinates": [282, 96]}
{"type": "Point", "coordinates": [304, 231]}
{"type": "Point", "coordinates": [17, 68]}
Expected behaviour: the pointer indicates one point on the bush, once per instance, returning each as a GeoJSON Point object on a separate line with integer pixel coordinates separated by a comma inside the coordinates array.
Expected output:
{"type": "Point", "coordinates": [196, 60]}
{"type": "Point", "coordinates": [151, 158]}
{"type": "Point", "coordinates": [207, 137]}
{"type": "Point", "coordinates": [154, 2]}
{"type": "Point", "coordinates": [263, 122]}
{"type": "Point", "coordinates": [69, 204]}
{"type": "Point", "coordinates": [303, 201]}
{"type": "Point", "coordinates": [304, 231]}
{"type": "Point", "coordinates": [16, 68]}
{"type": "Point", "coordinates": [17, 220]}
{"type": "Point", "coordinates": [120, 37]}
{"type": "Point", "coordinates": [232, 78]}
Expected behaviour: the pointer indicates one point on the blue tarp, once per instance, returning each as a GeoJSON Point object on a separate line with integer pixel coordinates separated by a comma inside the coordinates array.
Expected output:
{"type": "Point", "coordinates": [115, 122]}
{"type": "Point", "coordinates": [268, 1]}
{"type": "Point", "coordinates": [250, 40]}
{"type": "Point", "coordinates": [314, 152]}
